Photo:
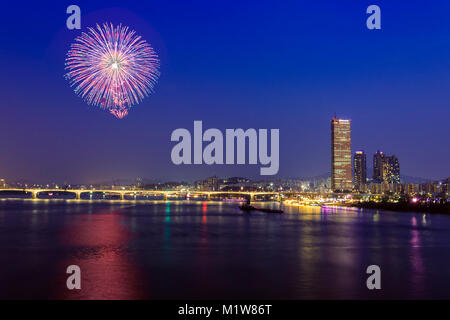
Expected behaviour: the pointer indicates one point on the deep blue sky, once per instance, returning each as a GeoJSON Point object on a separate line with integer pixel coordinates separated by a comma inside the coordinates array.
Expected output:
{"type": "Point", "coordinates": [260, 64]}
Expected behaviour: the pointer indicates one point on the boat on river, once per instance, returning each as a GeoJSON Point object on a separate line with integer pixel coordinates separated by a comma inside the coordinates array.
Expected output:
{"type": "Point", "coordinates": [248, 208]}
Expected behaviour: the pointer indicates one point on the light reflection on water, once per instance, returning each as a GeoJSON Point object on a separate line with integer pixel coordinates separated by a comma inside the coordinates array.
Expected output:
{"type": "Point", "coordinates": [100, 251]}
{"type": "Point", "coordinates": [178, 249]}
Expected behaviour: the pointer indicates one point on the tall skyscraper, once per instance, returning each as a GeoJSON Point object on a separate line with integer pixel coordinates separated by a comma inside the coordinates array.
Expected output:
{"type": "Point", "coordinates": [378, 160]}
{"type": "Point", "coordinates": [341, 155]}
{"type": "Point", "coordinates": [385, 168]}
{"type": "Point", "coordinates": [391, 170]}
{"type": "Point", "coordinates": [359, 170]}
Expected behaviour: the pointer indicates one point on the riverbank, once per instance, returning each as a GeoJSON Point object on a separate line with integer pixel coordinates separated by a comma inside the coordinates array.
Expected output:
{"type": "Point", "coordinates": [406, 206]}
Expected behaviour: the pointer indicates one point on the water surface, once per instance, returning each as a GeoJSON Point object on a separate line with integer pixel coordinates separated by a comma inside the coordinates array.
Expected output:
{"type": "Point", "coordinates": [211, 250]}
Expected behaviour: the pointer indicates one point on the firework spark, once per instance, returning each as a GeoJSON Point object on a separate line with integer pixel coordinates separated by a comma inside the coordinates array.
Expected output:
{"type": "Point", "coordinates": [112, 67]}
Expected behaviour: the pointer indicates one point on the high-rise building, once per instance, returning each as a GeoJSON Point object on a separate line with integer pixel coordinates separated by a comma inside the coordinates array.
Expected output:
{"type": "Point", "coordinates": [359, 170]}
{"type": "Point", "coordinates": [341, 155]}
{"type": "Point", "coordinates": [212, 183]}
{"type": "Point", "coordinates": [375, 188]}
{"type": "Point", "coordinates": [446, 186]}
{"type": "Point", "coordinates": [378, 160]}
{"type": "Point", "coordinates": [391, 170]}
{"type": "Point", "coordinates": [385, 168]}
{"type": "Point", "coordinates": [410, 188]}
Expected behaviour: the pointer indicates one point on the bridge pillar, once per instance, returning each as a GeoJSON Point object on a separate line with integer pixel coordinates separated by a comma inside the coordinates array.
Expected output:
{"type": "Point", "coordinates": [208, 196]}
{"type": "Point", "coordinates": [165, 196]}
{"type": "Point", "coordinates": [122, 196]}
{"type": "Point", "coordinates": [34, 194]}
{"type": "Point", "coordinates": [78, 195]}
{"type": "Point", "coordinates": [252, 197]}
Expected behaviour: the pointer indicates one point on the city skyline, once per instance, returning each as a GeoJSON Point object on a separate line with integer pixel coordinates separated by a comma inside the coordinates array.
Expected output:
{"type": "Point", "coordinates": [347, 172]}
{"type": "Point", "coordinates": [353, 168]}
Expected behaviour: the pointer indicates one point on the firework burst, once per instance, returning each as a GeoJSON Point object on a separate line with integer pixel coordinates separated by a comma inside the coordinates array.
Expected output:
{"type": "Point", "coordinates": [112, 67]}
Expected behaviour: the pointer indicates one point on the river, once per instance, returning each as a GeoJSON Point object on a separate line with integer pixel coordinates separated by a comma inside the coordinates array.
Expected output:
{"type": "Point", "coordinates": [212, 250]}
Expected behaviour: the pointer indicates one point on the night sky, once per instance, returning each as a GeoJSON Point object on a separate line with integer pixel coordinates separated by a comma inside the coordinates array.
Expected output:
{"type": "Point", "coordinates": [231, 64]}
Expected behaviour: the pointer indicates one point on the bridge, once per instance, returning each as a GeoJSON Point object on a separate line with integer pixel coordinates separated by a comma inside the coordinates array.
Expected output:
{"type": "Point", "coordinates": [123, 192]}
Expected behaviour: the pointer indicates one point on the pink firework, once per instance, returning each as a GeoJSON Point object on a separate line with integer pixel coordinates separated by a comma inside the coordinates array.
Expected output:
{"type": "Point", "coordinates": [112, 67]}
{"type": "Point", "coordinates": [119, 113]}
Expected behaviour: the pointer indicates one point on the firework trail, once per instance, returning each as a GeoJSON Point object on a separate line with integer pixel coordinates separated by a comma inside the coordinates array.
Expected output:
{"type": "Point", "coordinates": [112, 67]}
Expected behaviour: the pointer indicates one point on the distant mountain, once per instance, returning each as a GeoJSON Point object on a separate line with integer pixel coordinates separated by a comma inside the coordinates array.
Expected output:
{"type": "Point", "coordinates": [403, 178]}
{"type": "Point", "coordinates": [409, 179]}
{"type": "Point", "coordinates": [318, 177]}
